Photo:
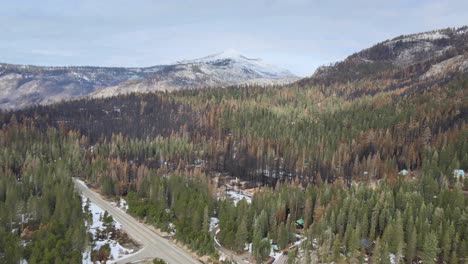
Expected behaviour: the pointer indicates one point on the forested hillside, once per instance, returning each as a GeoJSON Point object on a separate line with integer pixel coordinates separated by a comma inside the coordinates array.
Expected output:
{"type": "Point", "coordinates": [266, 134]}
{"type": "Point", "coordinates": [367, 163]}
{"type": "Point", "coordinates": [41, 218]}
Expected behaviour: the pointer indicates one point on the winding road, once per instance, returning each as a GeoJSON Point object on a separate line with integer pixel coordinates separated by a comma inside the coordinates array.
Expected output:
{"type": "Point", "coordinates": [153, 245]}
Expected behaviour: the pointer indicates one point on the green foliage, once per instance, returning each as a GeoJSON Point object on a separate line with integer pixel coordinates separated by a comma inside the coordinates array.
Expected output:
{"type": "Point", "coordinates": [10, 250]}
{"type": "Point", "coordinates": [430, 248]}
{"type": "Point", "coordinates": [37, 196]}
{"type": "Point", "coordinates": [182, 201]}
{"type": "Point", "coordinates": [158, 261]}
{"type": "Point", "coordinates": [329, 154]}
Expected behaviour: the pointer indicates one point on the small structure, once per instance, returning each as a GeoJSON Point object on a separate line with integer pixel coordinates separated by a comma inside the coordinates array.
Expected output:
{"type": "Point", "coordinates": [460, 174]}
{"type": "Point", "coordinates": [300, 223]}
{"type": "Point", "coordinates": [403, 172]}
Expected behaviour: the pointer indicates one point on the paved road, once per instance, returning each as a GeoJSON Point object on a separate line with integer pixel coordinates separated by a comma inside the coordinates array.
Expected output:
{"type": "Point", "coordinates": [153, 245]}
{"type": "Point", "coordinates": [236, 258]}
{"type": "Point", "coordinates": [283, 259]}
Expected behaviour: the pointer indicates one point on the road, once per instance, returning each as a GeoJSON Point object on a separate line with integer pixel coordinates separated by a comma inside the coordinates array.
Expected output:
{"type": "Point", "coordinates": [153, 245]}
{"type": "Point", "coordinates": [236, 258]}
{"type": "Point", "coordinates": [283, 259]}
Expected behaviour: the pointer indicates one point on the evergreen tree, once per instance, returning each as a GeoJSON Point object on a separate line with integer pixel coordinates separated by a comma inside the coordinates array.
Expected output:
{"type": "Point", "coordinates": [430, 249]}
{"type": "Point", "coordinates": [376, 252]}
{"type": "Point", "coordinates": [411, 245]}
{"type": "Point", "coordinates": [241, 235]}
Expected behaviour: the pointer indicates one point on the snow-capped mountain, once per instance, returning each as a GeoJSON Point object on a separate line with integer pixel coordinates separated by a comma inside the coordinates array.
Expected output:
{"type": "Point", "coordinates": [218, 70]}
{"type": "Point", "coordinates": [237, 60]}
{"type": "Point", "coordinates": [23, 85]}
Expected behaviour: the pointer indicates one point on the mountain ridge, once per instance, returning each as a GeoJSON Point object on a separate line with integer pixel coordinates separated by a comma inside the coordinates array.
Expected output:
{"type": "Point", "coordinates": [25, 85]}
{"type": "Point", "coordinates": [394, 56]}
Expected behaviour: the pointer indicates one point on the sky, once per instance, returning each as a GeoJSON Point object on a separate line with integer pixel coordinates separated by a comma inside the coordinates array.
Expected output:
{"type": "Point", "coordinates": [298, 35]}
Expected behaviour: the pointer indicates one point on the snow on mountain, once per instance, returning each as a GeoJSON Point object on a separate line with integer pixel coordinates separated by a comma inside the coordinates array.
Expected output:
{"type": "Point", "coordinates": [430, 36]}
{"type": "Point", "coordinates": [24, 85]}
{"type": "Point", "coordinates": [235, 59]}
{"type": "Point", "coordinates": [455, 64]}
{"type": "Point", "coordinates": [399, 53]}
{"type": "Point", "coordinates": [217, 70]}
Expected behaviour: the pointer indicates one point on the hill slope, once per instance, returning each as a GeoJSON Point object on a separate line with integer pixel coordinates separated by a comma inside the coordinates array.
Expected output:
{"type": "Point", "coordinates": [22, 85]}
{"type": "Point", "coordinates": [406, 56]}
{"type": "Point", "coordinates": [219, 70]}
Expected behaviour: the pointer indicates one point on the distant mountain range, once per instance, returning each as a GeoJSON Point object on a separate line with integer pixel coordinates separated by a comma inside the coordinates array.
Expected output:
{"type": "Point", "coordinates": [24, 85]}
{"type": "Point", "coordinates": [417, 59]}
{"type": "Point", "coordinates": [222, 69]}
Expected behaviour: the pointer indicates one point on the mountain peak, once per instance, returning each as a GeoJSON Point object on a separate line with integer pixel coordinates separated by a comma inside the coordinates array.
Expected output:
{"type": "Point", "coordinates": [228, 54]}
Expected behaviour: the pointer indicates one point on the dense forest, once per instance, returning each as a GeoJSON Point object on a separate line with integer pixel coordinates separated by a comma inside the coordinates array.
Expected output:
{"type": "Point", "coordinates": [366, 163]}
{"type": "Point", "coordinates": [41, 218]}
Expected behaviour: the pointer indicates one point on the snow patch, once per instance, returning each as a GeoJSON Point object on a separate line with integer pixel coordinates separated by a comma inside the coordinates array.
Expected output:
{"type": "Point", "coordinates": [121, 204]}
{"type": "Point", "coordinates": [233, 60]}
{"type": "Point", "coordinates": [117, 251]}
{"type": "Point", "coordinates": [214, 221]}
{"type": "Point", "coordinates": [273, 253]}
{"type": "Point", "coordinates": [462, 31]}
{"type": "Point", "coordinates": [429, 36]}
{"type": "Point", "coordinates": [237, 196]}
{"type": "Point", "coordinates": [455, 64]}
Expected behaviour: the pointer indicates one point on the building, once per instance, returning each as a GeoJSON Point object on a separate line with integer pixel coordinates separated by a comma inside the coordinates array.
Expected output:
{"type": "Point", "coordinates": [300, 223]}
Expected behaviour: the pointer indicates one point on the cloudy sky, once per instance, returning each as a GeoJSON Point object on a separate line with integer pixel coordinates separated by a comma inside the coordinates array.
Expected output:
{"type": "Point", "coordinates": [296, 34]}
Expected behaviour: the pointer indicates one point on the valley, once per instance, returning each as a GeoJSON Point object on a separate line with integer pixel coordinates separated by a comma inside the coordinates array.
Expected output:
{"type": "Point", "coordinates": [362, 162]}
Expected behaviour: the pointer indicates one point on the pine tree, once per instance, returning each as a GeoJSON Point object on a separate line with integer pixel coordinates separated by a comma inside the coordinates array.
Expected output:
{"type": "Point", "coordinates": [430, 250]}
{"type": "Point", "coordinates": [257, 238]}
{"type": "Point", "coordinates": [241, 235]}
{"type": "Point", "coordinates": [398, 238]}
{"type": "Point", "coordinates": [453, 258]}
{"type": "Point", "coordinates": [206, 220]}
{"type": "Point", "coordinates": [308, 212]}
{"type": "Point", "coordinates": [411, 245]}
{"type": "Point", "coordinates": [283, 236]}
{"type": "Point", "coordinates": [336, 249]}
{"type": "Point", "coordinates": [376, 252]}
{"type": "Point", "coordinates": [385, 258]}
{"type": "Point", "coordinates": [353, 242]}
{"type": "Point", "coordinates": [446, 242]}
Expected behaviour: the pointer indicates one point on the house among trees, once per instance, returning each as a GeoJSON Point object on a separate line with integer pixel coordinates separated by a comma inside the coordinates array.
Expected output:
{"type": "Point", "coordinates": [300, 223]}
{"type": "Point", "coordinates": [459, 173]}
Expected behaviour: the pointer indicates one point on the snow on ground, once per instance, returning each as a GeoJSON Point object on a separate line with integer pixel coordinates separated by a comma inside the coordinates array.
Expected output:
{"type": "Point", "coordinates": [274, 254]}
{"type": "Point", "coordinates": [214, 221]}
{"type": "Point", "coordinates": [237, 196]}
{"type": "Point", "coordinates": [301, 239]}
{"type": "Point", "coordinates": [216, 240]}
{"type": "Point", "coordinates": [172, 229]}
{"type": "Point", "coordinates": [117, 250]}
{"type": "Point", "coordinates": [121, 204]}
